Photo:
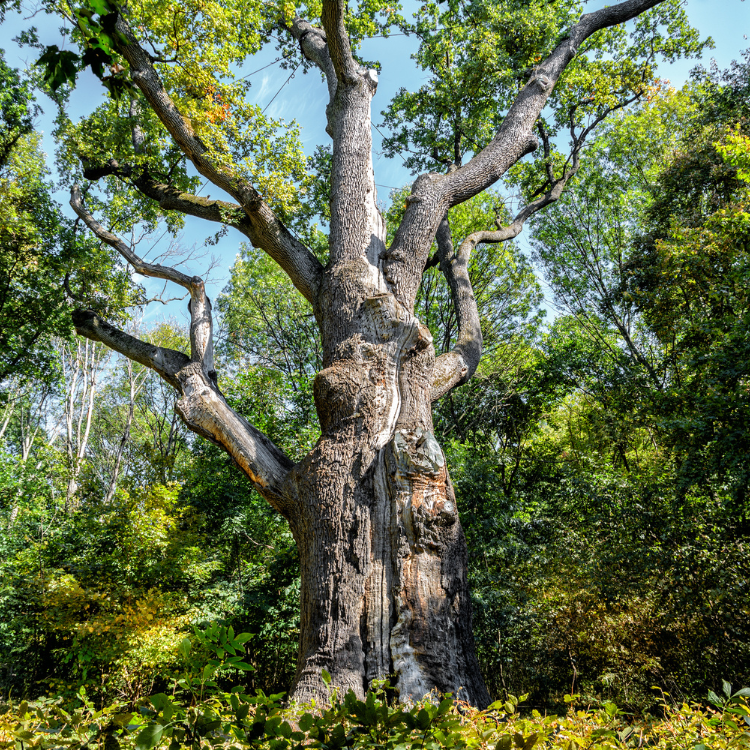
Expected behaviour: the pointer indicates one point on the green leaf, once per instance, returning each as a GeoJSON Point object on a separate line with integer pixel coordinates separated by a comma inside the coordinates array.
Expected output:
{"type": "Point", "coordinates": [149, 736]}
{"type": "Point", "coordinates": [445, 706]}
{"type": "Point", "coordinates": [183, 649]}
{"type": "Point", "coordinates": [326, 676]}
{"type": "Point", "coordinates": [102, 7]}
{"type": "Point", "coordinates": [60, 66]}
{"type": "Point", "coordinates": [727, 688]}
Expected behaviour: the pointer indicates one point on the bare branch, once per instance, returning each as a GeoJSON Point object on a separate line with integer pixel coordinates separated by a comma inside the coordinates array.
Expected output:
{"type": "Point", "coordinates": [166, 362]}
{"type": "Point", "coordinates": [171, 198]}
{"type": "Point", "coordinates": [140, 266]}
{"type": "Point", "coordinates": [202, 407]}
{"type": "Point", "coordinates": [547, 150]}
{"type": "Point", "coordinates": [457, 366]}
{"type": "Point", "coordinates": [201, 321]}
{"type": "Point", "coordinates": [513, 229]}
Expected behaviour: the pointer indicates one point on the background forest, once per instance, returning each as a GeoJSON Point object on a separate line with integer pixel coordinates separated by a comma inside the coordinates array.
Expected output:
{"type": "Point", "coordinates": [600, 456]}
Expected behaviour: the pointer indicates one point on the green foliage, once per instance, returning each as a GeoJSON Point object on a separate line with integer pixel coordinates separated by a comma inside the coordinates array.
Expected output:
{"type": "Point", "coordinates": [16, 109]}
{"type": "Point", "coordinates": [198, 52]}
{"type": "Point", "coordinates": [609, 560]}
{"type": "Point", "coordinates": [44, 258]}
{"type": "Point", "coordinates": [600, 465]}
{"type": "Point", "coordinates": [477, 54]}
{"type": "Point", "coordinates": [238, 719]}
{"type": "Point", "coordinates": [689, 279]}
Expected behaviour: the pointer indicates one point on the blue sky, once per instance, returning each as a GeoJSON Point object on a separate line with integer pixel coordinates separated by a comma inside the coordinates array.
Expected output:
{"type": "Point", "coordinates": [303, 98]}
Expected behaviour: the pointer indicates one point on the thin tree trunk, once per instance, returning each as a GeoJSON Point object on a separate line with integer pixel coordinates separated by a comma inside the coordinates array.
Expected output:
{"type": "Point", "coordinates": [83, 367]}
{"type": "Point", "coordinates": [134, 387]}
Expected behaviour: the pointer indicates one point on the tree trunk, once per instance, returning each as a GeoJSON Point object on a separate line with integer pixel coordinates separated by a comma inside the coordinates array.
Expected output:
{"type": "Point", "coordinates": [383, 555]}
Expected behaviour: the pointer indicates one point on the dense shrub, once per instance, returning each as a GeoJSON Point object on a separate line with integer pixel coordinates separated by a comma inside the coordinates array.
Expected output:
{"type": "Point", "coordinates": [237, 719]}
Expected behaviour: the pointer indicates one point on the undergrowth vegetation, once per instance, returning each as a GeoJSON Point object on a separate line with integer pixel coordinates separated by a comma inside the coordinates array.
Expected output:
{"type": "Point", "coordinates": [215, 719]}
{"type": "Point", "coordinates": [203, 707]}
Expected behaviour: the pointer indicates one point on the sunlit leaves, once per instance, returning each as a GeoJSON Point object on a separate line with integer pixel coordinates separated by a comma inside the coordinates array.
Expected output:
{"type": "Point", "coordinates": [478, 55]}
{"type": "Point", "coordinates": [735, 150]}
{"type": "Point", "coordinates": [39, 252]}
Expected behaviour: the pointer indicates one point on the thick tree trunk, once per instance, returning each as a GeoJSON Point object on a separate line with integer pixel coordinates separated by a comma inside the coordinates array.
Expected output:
{"type": "Point", "coordinates": [383, 556]}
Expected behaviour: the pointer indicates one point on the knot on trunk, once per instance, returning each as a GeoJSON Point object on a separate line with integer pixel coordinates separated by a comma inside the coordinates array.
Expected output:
{"type": "Point", "coordinates": [417, 452]}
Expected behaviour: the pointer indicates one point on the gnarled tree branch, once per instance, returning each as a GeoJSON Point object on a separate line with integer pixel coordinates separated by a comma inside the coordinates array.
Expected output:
{"type": "Point", "coordinates": [202, 407]}
{"type": "Point", "coordinates": [165, 362]}
{"type": "Point", "coordinates": [433, 194]}
{"type": "Point", "coordinates": [503, 234]}
{"type": "Point", "coordinates": [457, 366]}
{"type": "Point", "coordinates": [140, 266]}
{"type": "Point", "coordinates": [302, 267]}
{"type": "Point", "coordinates": [314, 46]}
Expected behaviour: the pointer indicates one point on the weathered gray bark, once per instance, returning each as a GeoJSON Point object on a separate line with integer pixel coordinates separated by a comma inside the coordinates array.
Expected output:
{"type": "Point", "coordinates": [384, 590]}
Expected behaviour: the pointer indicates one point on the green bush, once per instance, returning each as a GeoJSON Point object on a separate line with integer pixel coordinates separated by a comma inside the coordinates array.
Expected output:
{"type": "Point", "coordinates": [236, 719]}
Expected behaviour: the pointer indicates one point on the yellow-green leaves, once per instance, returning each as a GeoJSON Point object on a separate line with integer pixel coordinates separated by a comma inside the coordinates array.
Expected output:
{"type": "Point", "coordinates": [735, 150]}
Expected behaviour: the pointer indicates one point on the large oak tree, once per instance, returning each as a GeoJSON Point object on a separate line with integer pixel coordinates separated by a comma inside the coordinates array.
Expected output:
{"type": "Point", "coordinates": [371, 506]}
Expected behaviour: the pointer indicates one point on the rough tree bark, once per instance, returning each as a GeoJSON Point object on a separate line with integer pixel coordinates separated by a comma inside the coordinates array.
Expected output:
{"type": "Point", "coordinates": [383, 556]}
